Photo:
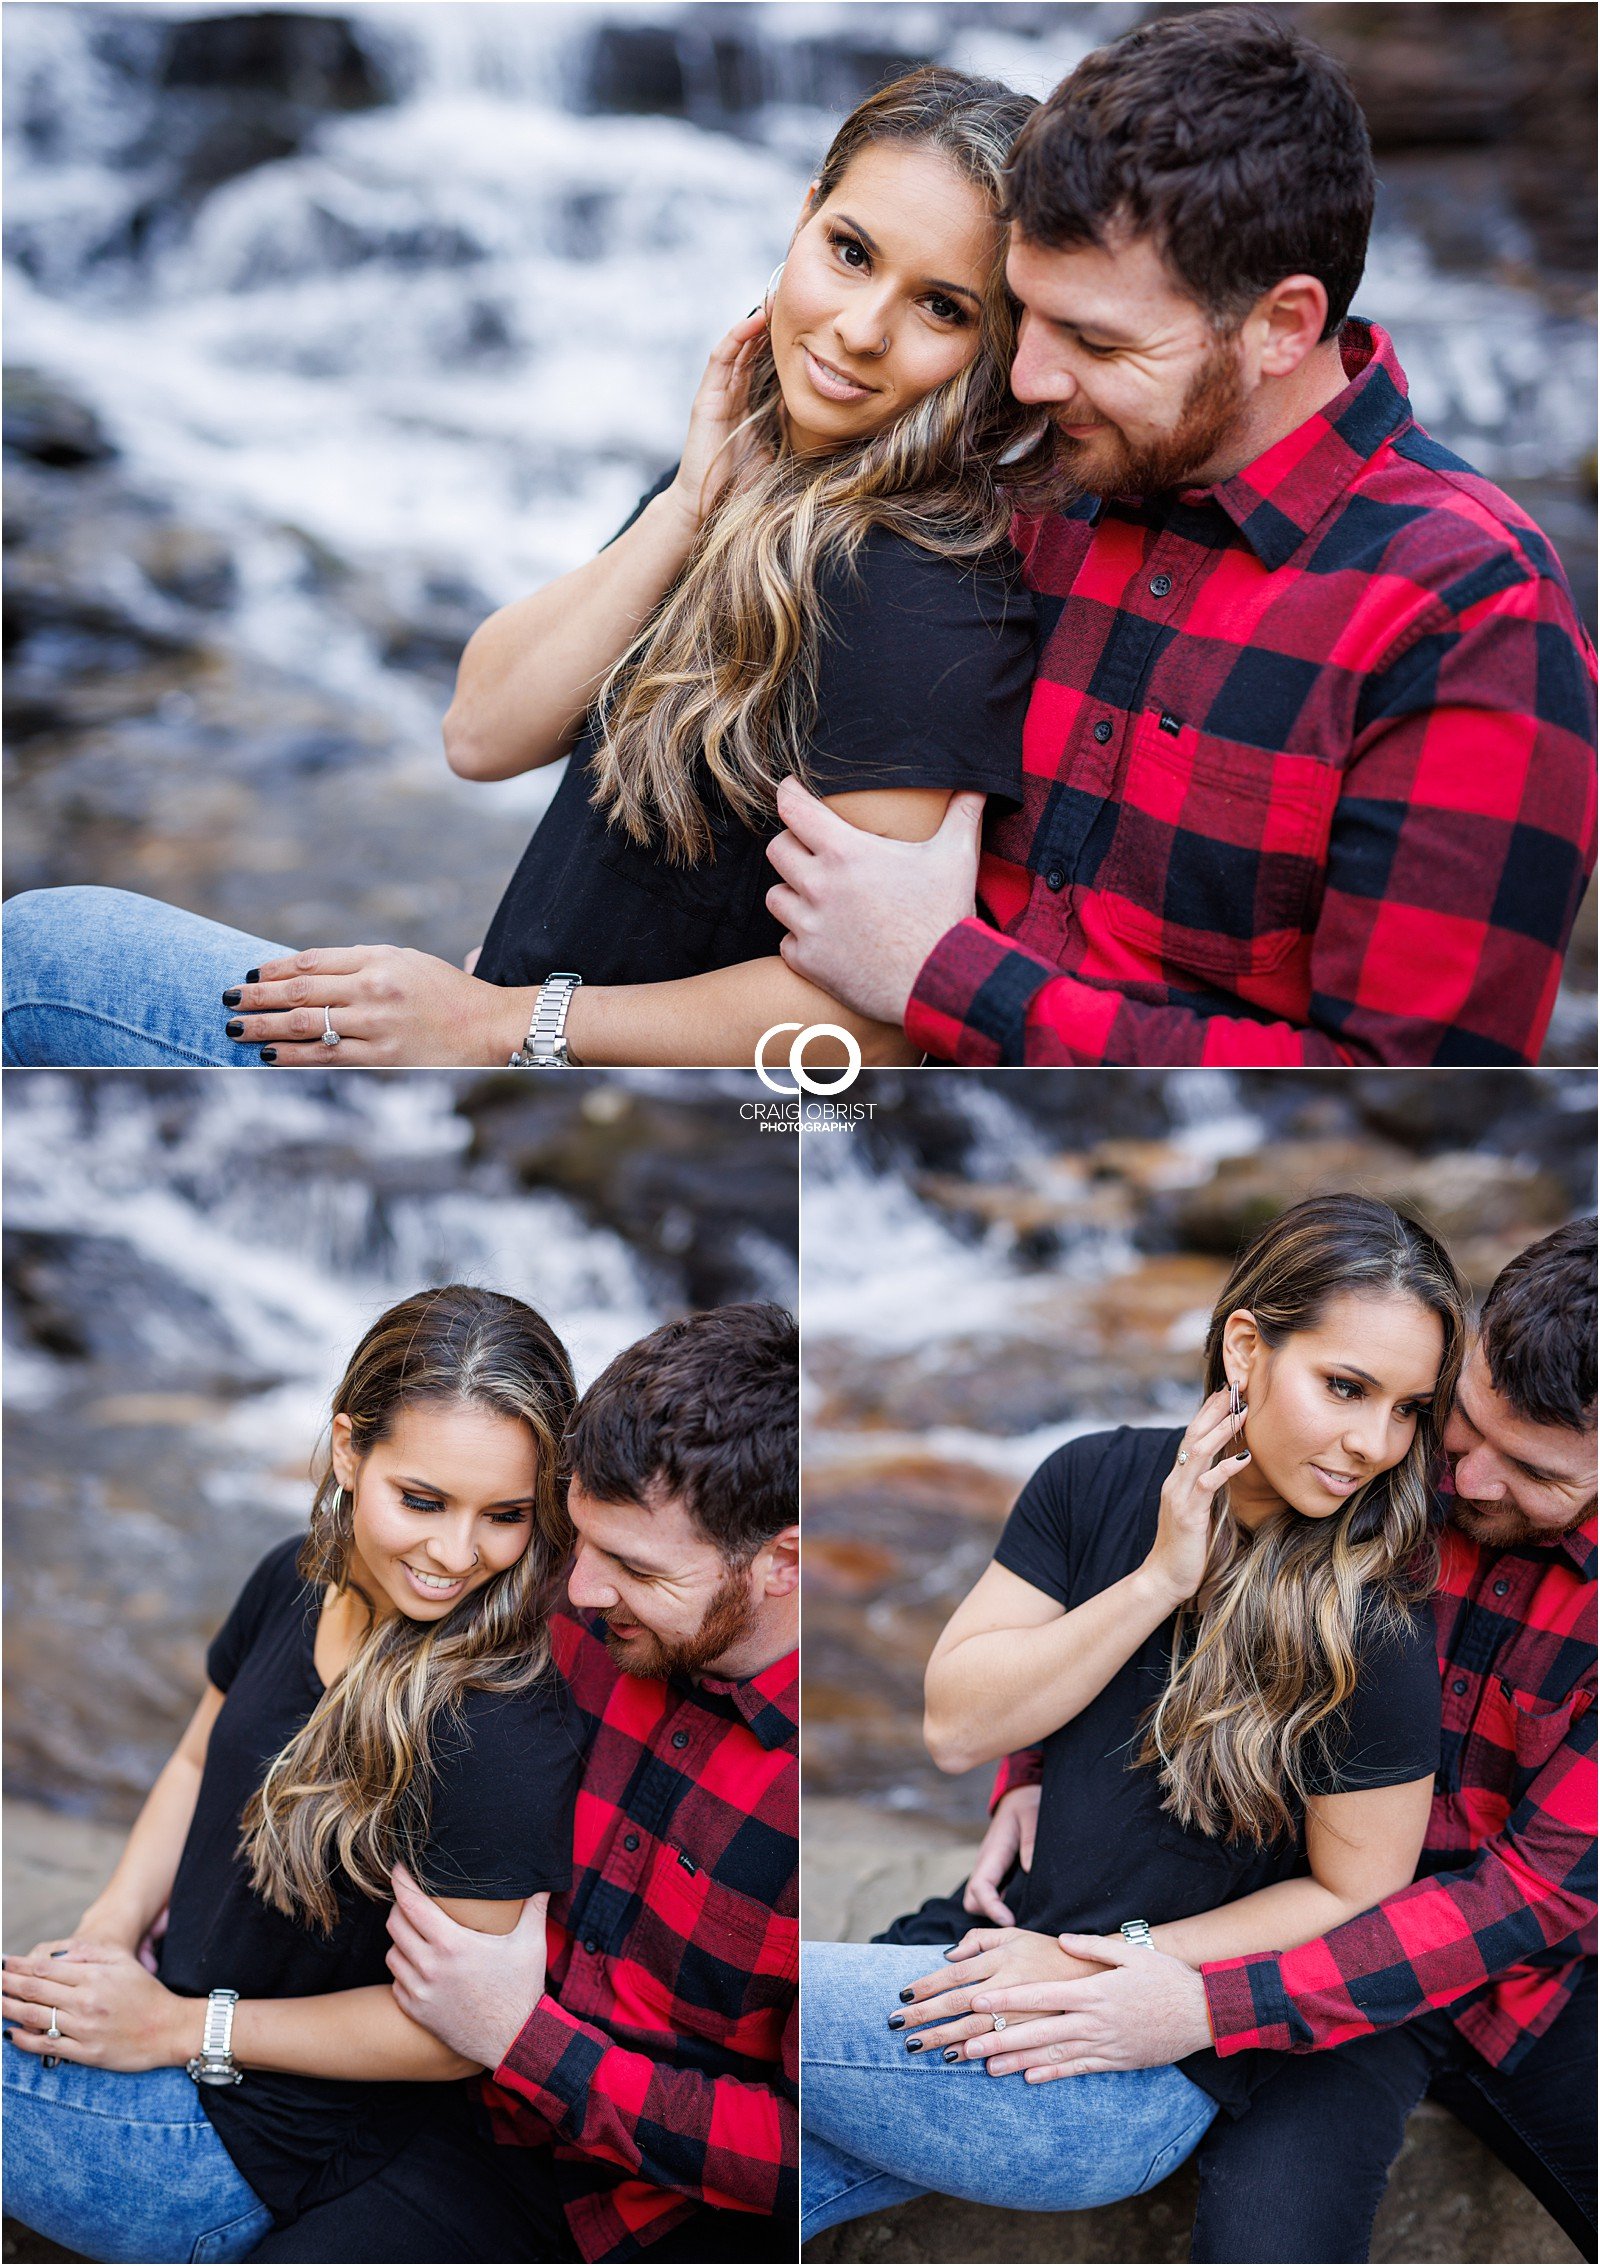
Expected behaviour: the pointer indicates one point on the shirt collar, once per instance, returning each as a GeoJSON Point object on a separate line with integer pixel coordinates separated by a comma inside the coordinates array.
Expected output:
{"type": "Point", "coordinates": [1579, 1546]}
{"type": "Point", "coordinates": [769, 1702]}
{"type": "Point", "coordinates": [1277, 500]}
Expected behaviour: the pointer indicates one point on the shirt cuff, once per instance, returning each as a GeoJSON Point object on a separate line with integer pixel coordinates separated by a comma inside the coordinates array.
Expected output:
{"type": "Point", "coordinates": [553, 2059]}
{"type": "Point", "coordinates": [971, 997]}
{"type": "Point", "coordinates": [1247, 2005]}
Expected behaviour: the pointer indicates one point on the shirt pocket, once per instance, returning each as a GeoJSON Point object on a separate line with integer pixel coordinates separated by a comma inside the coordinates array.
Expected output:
{"type": "Point", "coordinates": [726, 1962]}
{"type": "Point", "coordinates": [1514, 1734]}
{"type": "Point", "coordinates": [1220, 849]}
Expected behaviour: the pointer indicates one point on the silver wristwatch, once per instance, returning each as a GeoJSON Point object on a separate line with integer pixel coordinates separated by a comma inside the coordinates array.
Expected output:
{"type": "Point", "coordinates": [545, 1047]}
{"type": "Point", "coordinates": [1137, 1932]}
{"type": "Point", "coordinates": [214, 2063]}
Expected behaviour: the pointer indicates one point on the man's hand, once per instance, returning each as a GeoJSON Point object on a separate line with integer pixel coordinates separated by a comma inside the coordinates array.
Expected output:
{"type": "Point", "coordinates": [473, 1991]}
{"type": "Point", "coordinates": [864, 912]}
{"type": "Point", "coordinates": [1140, 2011]}
{"type": "Point", "coordinates": [1009, 1841]}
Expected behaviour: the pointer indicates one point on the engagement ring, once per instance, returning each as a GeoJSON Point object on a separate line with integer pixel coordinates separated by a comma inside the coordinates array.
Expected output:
{"type": "Point", "coordinates": [1183, 1455]}
{"type": "Point", "coordinates": [54, 2030]}
{"type": "Point", "coordinates": [330, 1037]}
{"type": "Point", "coordinates": [998, 2020]}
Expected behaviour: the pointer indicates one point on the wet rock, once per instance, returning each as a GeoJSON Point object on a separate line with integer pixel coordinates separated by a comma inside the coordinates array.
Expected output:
{"type": "Point", "coordinates": [45, 426]}
{"type": "Point", "coordinates": [313, 60]}
{"type": "Point", "coordinates": [681, 1180]}
{"type": "Point", "coordinates": [1461, 1194]}
{"type": "Point", "coordinates": [94, 1299]}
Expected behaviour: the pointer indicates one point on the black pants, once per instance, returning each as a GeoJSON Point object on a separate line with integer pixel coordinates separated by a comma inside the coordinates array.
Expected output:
{"type": "Point", "coordinates": [1301, 2175]}
{"type": "Point", "coordinates": [451, 2200]}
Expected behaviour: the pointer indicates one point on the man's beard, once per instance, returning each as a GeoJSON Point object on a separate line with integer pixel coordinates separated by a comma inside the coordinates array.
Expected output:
{"type": "Point", "coordinates": [725, 1621]}
{"type": "Point", "coordinates": [1501, 1526]}
{"type": "Point", "coordinates": [1110, 465]}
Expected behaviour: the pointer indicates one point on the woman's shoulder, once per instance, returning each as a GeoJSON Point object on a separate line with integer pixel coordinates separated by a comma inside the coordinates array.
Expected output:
{"type": "Point", "coordinates": [276, 1579]}
{"type": "Point", "coordinates": [1131, 1453]}
{"type": "Point", "coordinates": [888, 568]}
{"type": "Point", "coordinates": [541, 1721]}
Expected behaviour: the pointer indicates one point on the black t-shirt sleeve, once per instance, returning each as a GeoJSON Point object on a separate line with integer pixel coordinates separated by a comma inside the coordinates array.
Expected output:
{"type": "Point", "coordinates": [924, 673]}
{"type": "Point", "coordinates": [268, 1590]}
{"type": "Point", "coordinates": [1037, 1539]}
{"type": "Point", "coordinates": [1391, 1730]}
{"type": "Point", "coordinates": [505, 1784]}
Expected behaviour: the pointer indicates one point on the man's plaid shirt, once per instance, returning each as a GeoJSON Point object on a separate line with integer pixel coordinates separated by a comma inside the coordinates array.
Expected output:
{"type": "Point", "coordinates": [1308, 770]}
{"type": "Point", "coordinates": [1505, 1911]}
{"type": "Point", "coordinates": [661, 2064]}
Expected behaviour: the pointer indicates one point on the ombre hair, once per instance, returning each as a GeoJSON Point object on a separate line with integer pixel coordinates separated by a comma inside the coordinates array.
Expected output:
{"type": "Point", "coordinates": [1265, 1654]}
{"type": "Point", "coordinates": [718, 692]}
{"type": "Point", "coordinates": [352, 1788]}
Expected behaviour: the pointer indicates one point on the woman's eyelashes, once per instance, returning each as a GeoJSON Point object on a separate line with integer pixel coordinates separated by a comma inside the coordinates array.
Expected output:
{"type": "Point", "coordinates": [1352, 1389]}
{"type": "Point", "coordinates": [427, 1503]}
{"type": "Point", "coordinates": [853, 254]}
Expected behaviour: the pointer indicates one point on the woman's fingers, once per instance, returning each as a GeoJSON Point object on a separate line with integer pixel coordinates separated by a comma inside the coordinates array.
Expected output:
{"type": "Point", "coordinates": [1216, 1476]}
{"type": "Point", "coordinates": [949, 2041]}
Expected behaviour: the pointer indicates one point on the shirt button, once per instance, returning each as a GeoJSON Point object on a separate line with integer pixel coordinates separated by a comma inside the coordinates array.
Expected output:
{"type": "Point", "coordinates": [1458, 1685]}
{"type": "Point", "coordinates": [1160, 584]}
{"type": "Point", "coordinates": [630, 1841]}
{"type": "Point", "coordinates": [1501, 1587]}
{"type": "Point", "coordinates": [680, 1738]}
{"type": "Point", "coordinates": [591, 1945]}
{"type": "Point", "coordinates": [1055, 878]}
{"type": "Point", "coordinates": [1102, 731]}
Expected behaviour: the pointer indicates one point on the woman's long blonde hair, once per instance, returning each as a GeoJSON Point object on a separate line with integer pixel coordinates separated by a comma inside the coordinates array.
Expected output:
{"type": "Point", "coordinates": [718, 691]}
{"type": "Point", "coordinates": [1264, 1656]}
{"type": "Point", "coordinates": [351, 1790]}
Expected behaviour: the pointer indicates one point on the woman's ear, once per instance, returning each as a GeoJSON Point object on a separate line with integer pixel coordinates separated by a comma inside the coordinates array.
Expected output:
{"type": "Point", "coordinates": [346, 1463]}
{"type": "Point", "coordinates": [1241, 1348]}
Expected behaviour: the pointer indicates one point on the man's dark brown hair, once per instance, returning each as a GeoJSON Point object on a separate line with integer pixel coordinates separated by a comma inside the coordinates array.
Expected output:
{"type": "Point", "coordinates": [1228, 138]}
{"type": "Point", "coordinates": [1537, 1329]}
{"type": "Point", "coordinates": [705, 1409]}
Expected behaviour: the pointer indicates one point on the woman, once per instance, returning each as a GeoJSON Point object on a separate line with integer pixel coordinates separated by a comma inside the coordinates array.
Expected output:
{"type": "Point", "coordinates": [1215, 1636]}
{"type": "Point", "coordinates": [822, 588]}
{"type": "Point", "coordinates": [381, 1693]}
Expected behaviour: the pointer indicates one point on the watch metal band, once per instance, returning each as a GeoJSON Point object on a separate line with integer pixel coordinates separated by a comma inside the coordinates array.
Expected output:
{"type": "Point", "coordinates": [214, 2063]}
{"type": "Point", "coordinates": [1138, 1932]}
{"type": "Point", "coordinates": [545, 1047]}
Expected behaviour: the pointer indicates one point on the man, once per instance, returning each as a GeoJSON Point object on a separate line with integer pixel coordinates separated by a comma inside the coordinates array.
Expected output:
{"type": "Point", "coordinates": [642, 2075]}
{"type": "Point", "coordinates": [1308, 769]}
{"type": "Point", "coordinates": [1477, 1983]}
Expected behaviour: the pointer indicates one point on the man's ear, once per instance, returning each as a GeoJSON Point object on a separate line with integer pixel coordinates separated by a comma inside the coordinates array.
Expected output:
{"type": "Point", "coordinates": [781, 1576]}
{"type": "Point", "coordinates": [1288, 322]}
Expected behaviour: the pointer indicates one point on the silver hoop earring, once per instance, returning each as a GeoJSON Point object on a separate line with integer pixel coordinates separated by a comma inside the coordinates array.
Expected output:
{"type": "Point", "coordinates": [772, 285]}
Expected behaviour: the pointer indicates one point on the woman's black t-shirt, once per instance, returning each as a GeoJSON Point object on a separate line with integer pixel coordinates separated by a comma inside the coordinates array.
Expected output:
{"type": "Point", "coordinates": [1106, 1850]}
{"type": "Point", "coordinates": [500, 1826]}
{"type": "Point", "coordinates": [924, 674]}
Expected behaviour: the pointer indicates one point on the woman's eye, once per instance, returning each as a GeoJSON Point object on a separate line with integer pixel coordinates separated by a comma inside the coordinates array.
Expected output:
{"type": "Point", "coordinates": [851, 250]}
{"type": "Point", "coordinates": [1346, 1388]}
{"type": "Point", "coordinates": [508, 1518]}
{"type": "Point", "coordinates": [419, 1502]}
{"type": "Point", "coordinates": [947, 310]}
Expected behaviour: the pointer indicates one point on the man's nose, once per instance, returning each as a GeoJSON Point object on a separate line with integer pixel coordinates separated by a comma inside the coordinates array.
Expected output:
{"type": "Point", "coordinates": [1037, 372]}
{"type": "Point", "coordinates": [587, 1586]}
{"type": "Point", "coordinates": [1480, 1476]}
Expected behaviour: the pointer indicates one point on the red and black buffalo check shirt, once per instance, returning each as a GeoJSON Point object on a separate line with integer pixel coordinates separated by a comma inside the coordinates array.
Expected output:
{"type": "Point", "coordinates": [1308, 770]}
{"type": "Point", "coordinates": [661, 2064]}
{"type": "Point", "coordinates": [1504, 1914]}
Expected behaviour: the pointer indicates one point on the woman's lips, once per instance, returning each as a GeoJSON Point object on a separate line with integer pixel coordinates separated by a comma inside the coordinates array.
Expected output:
{"type": "Point", "coordinates": [1336, 1482]}
{"type": "Point", "coordinates": [435, 1590]}
{"type": "Point", "coordinates": [832, 384]}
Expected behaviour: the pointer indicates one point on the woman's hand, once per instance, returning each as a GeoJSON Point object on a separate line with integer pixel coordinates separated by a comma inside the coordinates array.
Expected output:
{"type": "Point", "coordinates": [111, 2013]}
{"type": "Point", "coordinates": [714, 448]}
{"type": "Point", "coordinates": [1188, 1499]}
{"type": "Point", "coordinates": [388, 1004]}
{"type": "Point", "coordinates": [984, 1958]}
{"type": "Point", "coordinates": [1009, 1841]}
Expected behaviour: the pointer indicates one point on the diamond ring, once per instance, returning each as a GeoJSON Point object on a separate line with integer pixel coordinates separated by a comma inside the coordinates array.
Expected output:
{"type": "Point", "coordinates": [330, 1037]}
{"type": "Point", "coordinates": [1183, 1455]}
{"type": "Point", "coordinates": [54, 2030]}
{"type": "Point", "coordinates": [998, 2020]}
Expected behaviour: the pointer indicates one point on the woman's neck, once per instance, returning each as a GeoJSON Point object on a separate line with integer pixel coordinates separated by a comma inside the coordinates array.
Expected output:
{"type": "Point", "coordinates": [1251, 1501]}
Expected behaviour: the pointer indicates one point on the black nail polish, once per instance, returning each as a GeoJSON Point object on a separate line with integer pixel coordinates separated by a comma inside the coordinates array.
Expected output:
{"type": "Point", "coordinates": [915, 2045]}
{"type": "Point", "coordinates": [906, 1996]}
{"type": "Point", "coordinates": [897, 2021]}
{"type": "Point", "coordinates": [1244, 1455]}
{"type": "Point", "coordinates": [952, 2053]}
{"type": "Point", "coordinates": [52, 2061]}
{"type": "Point", "coordinates": [235, 1029]}
{"type": "Point", "coordinates": [269, 1054]}
{"type": "Point", "coordinates": [231, 998]}
{"type": "Point", "coordinates": [252, 975]}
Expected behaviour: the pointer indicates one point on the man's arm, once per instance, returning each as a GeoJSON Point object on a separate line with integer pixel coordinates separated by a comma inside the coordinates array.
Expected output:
{"type": "Point", "coordinates": [1460, 845]}
{"type": "Point", "coordinates": [1530, 1886]}
{"type": "Point", "coordinates": [726, 2141]}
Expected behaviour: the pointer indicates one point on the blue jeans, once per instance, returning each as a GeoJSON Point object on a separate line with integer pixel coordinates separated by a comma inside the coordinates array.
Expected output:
{"type": "Point", "coordinates": [118, 2166]}
{"type": "Point", "coordinates": [881, 2125]}
{"type": "Point", "coordinates": [100, 977]}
